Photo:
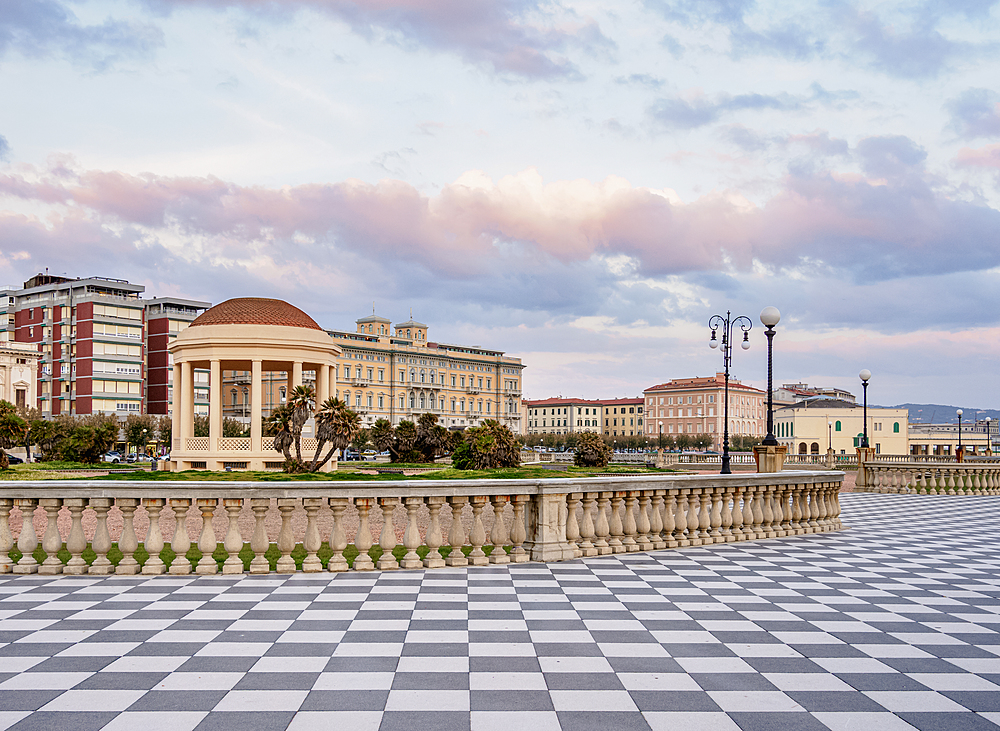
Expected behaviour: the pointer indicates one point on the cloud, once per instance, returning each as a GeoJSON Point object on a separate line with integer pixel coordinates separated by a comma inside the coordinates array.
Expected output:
{"type": "Point", "coordinates": [520, 38]}
{"type": "Point", "coordinates": [975, 113]}
{"type": "Point", "coordinates": [894, 226]}
{"type": "Point", "coordinates": [984, 157]}
{"type": "Point", "coordinates": [40, 28]}
{"type": "Point", "coordinates": [4, 148]}
{"type": "Point", "coordinates": [647, 80]}
{"type": "Point", "coordinates": [891, 156]}
{"type": "Point", "coordinates": [679, 113]}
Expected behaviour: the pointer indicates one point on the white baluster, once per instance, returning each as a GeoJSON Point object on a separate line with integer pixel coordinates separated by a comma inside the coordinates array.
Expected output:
{"type": "Point", "coordinates": [153, 544]}
{"type": "Point", "coordinates": [180, 543]}
{"type": "Point", "coordinates": [767, 524]}
{"type": "Point", "coordinates": [363, 539]}
{"type": "Point", "coordinates": [715, 520]}
{"type": "Point", "coordinates": [669, 518]}
{"type": "Point", "coordinates": [656, 520]}
{"type": "Point", "coordinates": [129, 542]}
{"type": "Point", "coordinates": [312, 541]}
{"type": "Point", "coordinates": [587, 530]}
{"type": "Point", "coordinates": [51, 541]}
{"type": "Point", "coordinates": [602, 528]}
{"type": "Point", "coordinates": [477, 537]}
{"type": "Point", "coordinates": [76, 544]}
{"type": "Point", "coordinates": [233, 542]}
{"type": "Point", "coordinates": [6, 537]}
{"type": "Point", "coordinates": [434, 539]}
{"type": "Point", "coordinates": [387, 539]}
{"type": "Point", "coordinates": [259, 542]}
{"type": "Point", "coordinates": [338, 536]}
{"type": "Point", "coordinates": [207, 542]}
{"type": "Point", "coordinates": [27, 541]}
{"type": "Point", "coordinates": [737, 514]}
{"type": "Point", "coordinates": [102, 538]}
{"type": "Point", "coordinates": [411, 537]}
{"type": "Point", "coordinates": [518, 533]}
{"type": "Point", "coordinates": [456, 536]}
{"type": "Point", "coordinates": [615, 524]}
{"type": "Point", "coordinates": [629, 528]}
{"type": "Point", "coordinates": [286, 536]}
{"type": "Point", "coordinates": [498, 536]}
{"type": "Point", "coordinates": [748, 500]}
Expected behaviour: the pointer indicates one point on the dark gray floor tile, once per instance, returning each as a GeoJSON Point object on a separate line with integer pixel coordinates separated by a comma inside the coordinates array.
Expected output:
{"type": "Point", "coordinates": [673, 700]}
{"type": "Point", "coordinates": [121, 681]}
{"type": "Point", "coordinates": [26, 700]}
{"type": "Point", "coordinates": [834, 701]}
{"type": "Point", "coordinates": [510, 700]}
{"type": "Point", "coordinates": [243, 720]}
{"type": "Point", "coordinates": [68, 720]}
{"type": "Point", "coordinates": [732, 681]}
{"type": "Point", "coordinates": [178, 700]}
{"type": "Point", "coordinates": [430, 681]}
{"type": "Point", "coordinates": [947, 721]}
{"type": "Point", "coordinates": [602, 721]}
{"type": "Point", "coordinates": [583, 681]}
{"type": "Point", "coordinates": [277, 681]}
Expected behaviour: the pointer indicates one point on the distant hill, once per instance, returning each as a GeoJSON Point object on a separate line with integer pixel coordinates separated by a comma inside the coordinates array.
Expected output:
{"type": "Point", "coordinates": [942, 414]}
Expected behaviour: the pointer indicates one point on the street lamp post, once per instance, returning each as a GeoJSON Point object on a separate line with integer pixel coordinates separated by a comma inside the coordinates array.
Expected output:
{"type": "Point", "coordinates": [865, 375]}
{"type": "Point", "coordinates": [958, 453]}
{"type": "Point", "coordinates": [989, 437]}
{"type": "Point", "coordinates": [659, 440]}
{"type": "Point", "coordinates": [770, 317]}
{"type": "Point", "coordinates": [716, 322]}
{"type": "Point", "coordinates": [829, 427]}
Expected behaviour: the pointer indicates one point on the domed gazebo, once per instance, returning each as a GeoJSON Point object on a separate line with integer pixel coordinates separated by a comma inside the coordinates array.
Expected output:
{"type": "Point", "coordinates": [244, 334]}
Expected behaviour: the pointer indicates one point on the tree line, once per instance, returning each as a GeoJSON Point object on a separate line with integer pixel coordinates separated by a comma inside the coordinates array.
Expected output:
{"type": "Point", "coordinates": [737, 442]}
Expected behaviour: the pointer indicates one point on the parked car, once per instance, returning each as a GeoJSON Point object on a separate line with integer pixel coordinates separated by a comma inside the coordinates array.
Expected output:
{"type": "Point", "coordinates": [113, 457]}
{"type": "Point", "coordinates": [351, 456]}
{"type": "Point", "coordinates": [131, 458]}
{"type": "Point", "coordinates": [11, 459]}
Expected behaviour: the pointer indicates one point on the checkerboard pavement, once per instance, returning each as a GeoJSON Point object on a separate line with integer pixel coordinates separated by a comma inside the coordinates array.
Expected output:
{"type": "Point", "coordinates": [890, 625]}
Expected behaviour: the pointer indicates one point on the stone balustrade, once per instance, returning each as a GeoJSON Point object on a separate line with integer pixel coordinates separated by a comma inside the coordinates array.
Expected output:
{"type": "Point", "coordinates": [532, 520]}
{"type": "Point", "coordinates": [945, 478]}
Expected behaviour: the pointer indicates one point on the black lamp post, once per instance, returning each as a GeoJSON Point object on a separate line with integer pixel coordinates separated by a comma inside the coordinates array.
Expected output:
{"type": "Point", "coordinates": [660, 438]}
{"type": "Point", "coordinates": [959, 412]}
{"type": "Point", "coordinates": [726, 324]}
{"type": "Point", "coordinates": [989, 437]}
{"type": "Point", "coordinates": [865, 375]}
{"type": "Point", "coordinates": [829, 428]}
{"type": "Point", "coordinates": [770, 317]}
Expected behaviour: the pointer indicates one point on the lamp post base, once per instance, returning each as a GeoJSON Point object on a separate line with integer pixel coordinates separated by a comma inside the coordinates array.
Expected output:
{"type": "Point", "coordinates": [770, 457]}
{"type": "Point", "coordinates": [865, 454]}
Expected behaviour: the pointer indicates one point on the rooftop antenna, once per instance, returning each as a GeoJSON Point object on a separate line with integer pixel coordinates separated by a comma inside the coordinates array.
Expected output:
{"type": "Point", "coordinates": [373, 307]}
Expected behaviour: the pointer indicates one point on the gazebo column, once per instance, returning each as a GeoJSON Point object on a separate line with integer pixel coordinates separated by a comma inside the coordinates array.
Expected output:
{"type": "Point", "coordinates": [256, 396]}
{"type": "Point", "coordinates": [215, 405]}
{"type": "Point", "coordinates": [296, 375]}
{"type": "Point", "coordinates": [322, 384]}
{"type": "Point", "coordinates": [175, 410]}
{"type": "Point", "coordinates": [187, 403]}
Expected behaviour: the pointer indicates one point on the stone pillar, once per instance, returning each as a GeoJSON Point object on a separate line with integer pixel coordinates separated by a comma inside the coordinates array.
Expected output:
{"type": "Point", "coordinates": [296, 375]}
{"type": "Point", "coordinates": [865, 454]}
{"type": "Point", "coordinates": [175, 412]}
{"type": "Point", "coordinates": [548, 542]}
{"type": "Point", "coordinates": [214, 405]}
{"type": "Point", "coordinates": [770, 458]}
{"type": "Point", "coordinates": [322, 384]}
{"type": "Point", "coordinates": [186, 402]}
{"type": "Point", "coordinates": [256, 399]}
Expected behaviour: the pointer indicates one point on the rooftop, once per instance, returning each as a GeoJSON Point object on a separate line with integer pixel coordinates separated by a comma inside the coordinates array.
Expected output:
{"type": "Point", "coordinates": [256, 311]}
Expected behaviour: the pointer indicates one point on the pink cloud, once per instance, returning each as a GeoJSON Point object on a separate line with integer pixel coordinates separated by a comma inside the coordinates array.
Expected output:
{"type": "Point", "coordinates": [982, 157]}
{"type": "Point", "coordinates": [475, 222]}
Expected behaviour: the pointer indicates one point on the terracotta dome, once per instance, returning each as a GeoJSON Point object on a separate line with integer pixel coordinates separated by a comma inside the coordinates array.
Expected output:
{"type": "Point", "coordinates": [256, 311]}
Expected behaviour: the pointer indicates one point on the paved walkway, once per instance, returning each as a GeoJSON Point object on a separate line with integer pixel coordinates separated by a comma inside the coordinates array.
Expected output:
{"type": "Point", "coordinates": [891, 625]}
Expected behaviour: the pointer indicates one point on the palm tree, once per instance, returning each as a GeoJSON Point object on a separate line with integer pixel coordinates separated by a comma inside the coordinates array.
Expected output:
{"type": "Point", "coordinates": [336, 424]}
{"type": "Point", "coordinates": [302, 399]}
{"type": "Point", "coordinates": [381, 434]}
{"type": "Point", "coordinates": [279, 423]}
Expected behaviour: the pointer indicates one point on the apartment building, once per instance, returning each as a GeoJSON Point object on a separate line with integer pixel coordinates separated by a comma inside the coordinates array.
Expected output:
{"type": "Point", "coordinates": [563, 416]}
{"type": "Point", "coordinates": [91, 334]}
{"type": "Point", "coordinates": [166, 317]}
{"type": "Point", "coordinates": [696, 406]}
{"type": "Point", "coordinates": [623, 417]}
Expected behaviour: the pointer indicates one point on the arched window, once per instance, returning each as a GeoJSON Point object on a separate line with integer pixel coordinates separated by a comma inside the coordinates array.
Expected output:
{"type": "Point", "coordinates": [814, 448]}
{"type": "Point", "coordinates": [413, 400]}
{"type": "Point", "coordinates": [423, 401]}
{"type": "Point", "coordinates": [802, 448]}
{"type": "Point", "coordinates": [423, 377]}
{"type": "Point", "coordinates": [895, 428]}
{"type": "Point", "coordinates": [233, 395]}
{"type": "Point", "coordinates": [281, 392]}
{"type": "Point", "coordinates": [837, 426]}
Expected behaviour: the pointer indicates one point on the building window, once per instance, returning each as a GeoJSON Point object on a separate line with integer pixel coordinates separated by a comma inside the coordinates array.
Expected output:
{"type": "Point", "coordinates": [895, 428]}
{"type": "Point", "coordinates": [836, 426]}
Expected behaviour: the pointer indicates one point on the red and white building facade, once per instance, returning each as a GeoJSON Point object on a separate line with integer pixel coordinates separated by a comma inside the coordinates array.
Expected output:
{"type": "Point", "coordinates": [696, 406]}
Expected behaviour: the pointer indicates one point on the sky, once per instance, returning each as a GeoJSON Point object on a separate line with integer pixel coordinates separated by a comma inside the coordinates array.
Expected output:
{"type": "Point", "coordinates": [579, 184]}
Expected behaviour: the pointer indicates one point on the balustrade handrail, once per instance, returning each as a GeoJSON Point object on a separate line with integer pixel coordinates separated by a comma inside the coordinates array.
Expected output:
{"type": "Point", "coordinates": [553, 519]}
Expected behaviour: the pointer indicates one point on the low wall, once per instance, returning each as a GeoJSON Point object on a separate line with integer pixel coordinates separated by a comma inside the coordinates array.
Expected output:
{"type": "Point", "coordinates": [950, 478]}
{"type": "Point", "coordinates": [533, 520]}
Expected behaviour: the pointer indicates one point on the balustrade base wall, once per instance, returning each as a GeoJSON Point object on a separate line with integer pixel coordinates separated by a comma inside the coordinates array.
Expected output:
{"type": "Point", "coordinates": [541, 520]}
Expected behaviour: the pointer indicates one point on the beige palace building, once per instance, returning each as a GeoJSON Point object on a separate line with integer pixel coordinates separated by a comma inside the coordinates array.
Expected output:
{"type": "Point", "coordinates": [696, 406]}
{"type": "Point", "coordinates": [397, 372]}
{"type": "Point", "coordinates": [813, 426]}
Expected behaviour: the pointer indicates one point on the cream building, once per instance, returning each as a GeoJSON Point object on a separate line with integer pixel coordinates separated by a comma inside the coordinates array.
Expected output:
{"type": "Point", "coordinates": [815, 425]}
{"type": "Point", "coordinates": [563, 416]}
{"type": "Point", "coordinates": [18, 372]}
{"type": "Point", "coordinates": [696, 406]}
{"type": "Point", "coordinates": [253, 335]}
{"type": "Point", "coordinates": [942, 439]}
{"type": "Point", "coordinates": [623, 417]}
{"type": "Point", "coordinates": [397, 372]}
